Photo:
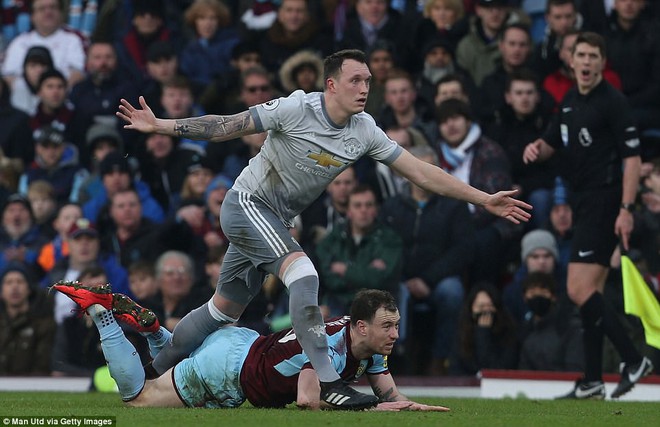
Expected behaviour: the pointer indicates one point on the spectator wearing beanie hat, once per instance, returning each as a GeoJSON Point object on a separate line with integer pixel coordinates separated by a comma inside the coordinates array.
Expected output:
{"type": "Point", "coordinates": [539, 254]}
{"type": "Point", "coordinates": [116, 175]}
{"type": "Point", "coordinates": [27, 327]}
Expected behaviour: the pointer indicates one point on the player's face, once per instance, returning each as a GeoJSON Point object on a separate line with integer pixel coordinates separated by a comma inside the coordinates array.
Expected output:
{"type": "Point", "coordinates": [522, 97]}
{"type": "Point", "coordinates": [352, 86]}
{"type": "Point", "coordinates": [588, 63]}
{"type": "Point", "coordinates": [383, 331]}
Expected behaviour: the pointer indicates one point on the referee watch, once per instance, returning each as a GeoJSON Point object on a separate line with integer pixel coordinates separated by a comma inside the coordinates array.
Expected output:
{"type": "Point", "coordinates": [630, 207]}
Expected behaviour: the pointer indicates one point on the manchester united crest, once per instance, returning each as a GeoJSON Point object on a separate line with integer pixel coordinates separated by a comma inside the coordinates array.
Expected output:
{"type": "Point", "coordinates": [352, 147]}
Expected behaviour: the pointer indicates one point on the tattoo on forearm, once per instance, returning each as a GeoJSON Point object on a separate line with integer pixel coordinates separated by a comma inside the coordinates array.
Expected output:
{"type": "Point", "coordinates": [384, 396]}
{"type": "Point", "coordinates": [207, 127]}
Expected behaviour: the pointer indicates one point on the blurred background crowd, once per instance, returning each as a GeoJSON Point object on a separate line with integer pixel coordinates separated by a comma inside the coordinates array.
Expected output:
{"type": "Point", "coordinates": [463, 84]}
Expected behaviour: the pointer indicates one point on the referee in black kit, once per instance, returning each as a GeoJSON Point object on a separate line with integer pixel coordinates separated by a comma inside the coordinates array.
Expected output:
{"type": "Point", "coordinates": [595, 131]}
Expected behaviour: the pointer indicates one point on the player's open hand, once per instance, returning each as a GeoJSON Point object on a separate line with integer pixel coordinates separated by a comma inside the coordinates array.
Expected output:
{"type": "Point", "coordinates": [422, 407]}
{"type": "Point", "coordinates": [504, 205]}
{"type": "Point", "coordinates": [142, 120]}
{"type": "Point", "coordinates": [392, 406]}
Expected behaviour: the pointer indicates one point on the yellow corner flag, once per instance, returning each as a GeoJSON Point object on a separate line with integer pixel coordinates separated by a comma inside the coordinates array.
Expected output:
{"type": "Point", "coordinates": [640, 301]}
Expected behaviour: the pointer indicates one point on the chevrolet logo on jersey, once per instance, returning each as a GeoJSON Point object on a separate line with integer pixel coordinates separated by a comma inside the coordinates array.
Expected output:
{"type": "Point", "coordinates": [325, 159]}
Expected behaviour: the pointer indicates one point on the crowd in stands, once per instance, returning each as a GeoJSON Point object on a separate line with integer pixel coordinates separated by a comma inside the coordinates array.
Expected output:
{"type": "Point", "coordinates": [462, 84]}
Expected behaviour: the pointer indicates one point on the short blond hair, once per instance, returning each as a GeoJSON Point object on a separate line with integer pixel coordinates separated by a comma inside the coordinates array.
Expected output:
{"type": "Point", "coordinates": [199, 7]}
{"type": "Point", "coordinates": [455, 5]}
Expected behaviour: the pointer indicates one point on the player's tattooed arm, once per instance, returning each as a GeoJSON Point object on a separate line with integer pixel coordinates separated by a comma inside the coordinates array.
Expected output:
{"type": "Point", "coordinates": [215, 128]}
{"type": "Point", "coordinates": [388, 395]}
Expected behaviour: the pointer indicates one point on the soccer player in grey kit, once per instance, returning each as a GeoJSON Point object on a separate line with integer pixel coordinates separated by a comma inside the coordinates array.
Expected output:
{"type": "Point", "coordinates": [311, 139]}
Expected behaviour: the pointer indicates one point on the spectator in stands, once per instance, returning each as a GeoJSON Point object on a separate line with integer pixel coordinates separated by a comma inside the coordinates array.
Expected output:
{"type": "Point", "coordinates": [198, 177]}
{"type": "Point", "coordinates": [362, 254]}
{"type": "Point", "coordinates": [176, 294]}
{"type": "Point", "coordinates": [453, 86]}
{"type": "Point", "coordinates": [16, 137]}
{"type": "Point", "coordinates": [515, 46]}
{"type": "Point", "coordinates": [226, 86]}
{"type": "Point", "coordinates": [478, 51]}
{"type": "Point", "coordinates": [55, 162]}
{"type": "Point", "coordinates": [53, 108]}
{"type": "Point", "coordinates": [438, 62]}
{"type": "Point", "coordinates": [147, 27]}
{"type": "Point", "coordinates": [329, 210]}
{"type": "Point", "coordinates": [208, 54]}
{"type": "Point", "coordinates": [539, 254]}
{"type": "Point", "coordinates": [438, 247]}
{"type": "Point", "coordinates": [76, 351]}
{"type": "Point", "coordinates": [162, 67]}
{"type": "Point", "coordinates": [116, 176]}
{"type": "Point", "coordinates": [293, 30]}
{"type": "Point", "coordinates": [66, 47]}
{"type": "Point", "coordinates": [646, 234]}
{"type": "Point", "coordinates": [373, 20]}
{"type": "Point", "coordinates": [20, 240]}
{"type": "Point", "coordinates": [96, 97]}
{"type": "Point", "coordinates": [487, 337]}
{"type": "Point", "coordinates": [101, 139]}
{"type": "Point", "coordinates": [142, 280]}
{"type": "Point", "coordinates": [403, 107]}
{"type": "Point", "coordinates": [633, 51]}
{"type": "Point", "coordinates": [443, 20]}
{"type": "Point", "coordinates": [522, 119]}
{"type": "Point", "coordinates": [43, 200]}
{"type": "Point", "coordinates": [380, 59]}
{"type": "Point", "coordinates": [84, 251]}
{"type": "Point", "coordinates": [164, 169]}
{"type": "Point", "coordinates": [58, 248]}
{"type": "Point", "coordinates": [551, 337]}
{"type": "Point", "coordinates": [133, 237]}
{"type": "Point", "coordinates": [178, 102]}
{"type": "Point", "coordinates": [475, 159]}
{"type": "Point", "coordinates": [27, 328]}
{"type": "Point", "coordinates": [24, 87]}
{"type": "Point", "coordinates": [213, 198]}
{"type": "Point", "coordinates": [561, 17]}
{"type": "Point", "coordinates": [303, 70]}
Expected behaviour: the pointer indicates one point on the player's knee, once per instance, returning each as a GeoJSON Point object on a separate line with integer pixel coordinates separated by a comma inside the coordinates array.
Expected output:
{"type": "Point", "coordinates": [298, 269]}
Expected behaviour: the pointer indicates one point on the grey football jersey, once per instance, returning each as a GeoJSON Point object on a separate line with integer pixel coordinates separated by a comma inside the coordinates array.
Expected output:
{"type": "Point", "coordinates": [305, 150]}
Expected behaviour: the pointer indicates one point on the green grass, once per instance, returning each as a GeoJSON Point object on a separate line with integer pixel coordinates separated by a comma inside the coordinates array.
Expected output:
{"type": "Point", "coordinates": [464, 412]}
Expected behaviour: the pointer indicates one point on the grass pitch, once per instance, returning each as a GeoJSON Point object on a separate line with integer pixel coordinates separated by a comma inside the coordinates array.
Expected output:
{"type": "Point", "coordinates": [464, 412]}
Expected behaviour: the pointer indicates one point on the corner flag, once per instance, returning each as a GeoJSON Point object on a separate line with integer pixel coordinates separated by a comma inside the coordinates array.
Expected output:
{"type": "Point", "coordinates": [639, 301]}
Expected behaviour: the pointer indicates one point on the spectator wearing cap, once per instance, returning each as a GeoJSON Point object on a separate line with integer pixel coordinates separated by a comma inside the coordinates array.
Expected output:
{"type": "Point", "coordinates": [27, 327]}
{"type": "Point", "coordinates": [24, 87]}
{"type": "Point", "coordinates": [101, 139]}
{"type": "Point", "coordinates": [53, 108]}
{"type": "Point", "coordinates": [442, 20]}
{"type": "Point", "coordinates": [165, 168]}
{"type": "Point", "coordinates": [303, 70]}
{"type": "Point", "coordinates": [66, 47]}
{"type": "Point", "coordinates": [207, 55]}
{"type": "Point", "coordinates": [20, 240]}
{"type": "Point", "coordinates": [132, 237]}
{"type": "Point", "coordinates": [84, 252]}
{"type": "Point", "coordinates": [244, 55]}
{"type": "Point", "coordinates": [478, 51]}
{"type": "Point", "coordinates": [479, 161]}
{"type": "Point", "coordinates": [438, 62]}
{"type": "Point", "coordinates": [53, 164]}
{"type": "Point", "coordinates": [16, 137]}
{"type": "Point", "coordinates": [117, 175]}
{"type": "Point", "coordinates": [95, 98]}
{"type": "Point", "coordinates": [538, 254]}
{"type": "Point", "coordinates": [147, 27]}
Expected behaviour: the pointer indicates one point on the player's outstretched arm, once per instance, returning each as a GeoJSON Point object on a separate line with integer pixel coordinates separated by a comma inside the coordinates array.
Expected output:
{"type": "Point", "coordinates": [434, 179]}
{"type": "Point", "coordinates": [384, 387]}
{"type": "Point", "coordinates": [210, 127]}
{"type": "Point", "coordinates": [309, 390]}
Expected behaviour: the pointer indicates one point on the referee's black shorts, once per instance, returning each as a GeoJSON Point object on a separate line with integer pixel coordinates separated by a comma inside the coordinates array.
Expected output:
{"type": "Point", "coordinates": [594, 215]}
